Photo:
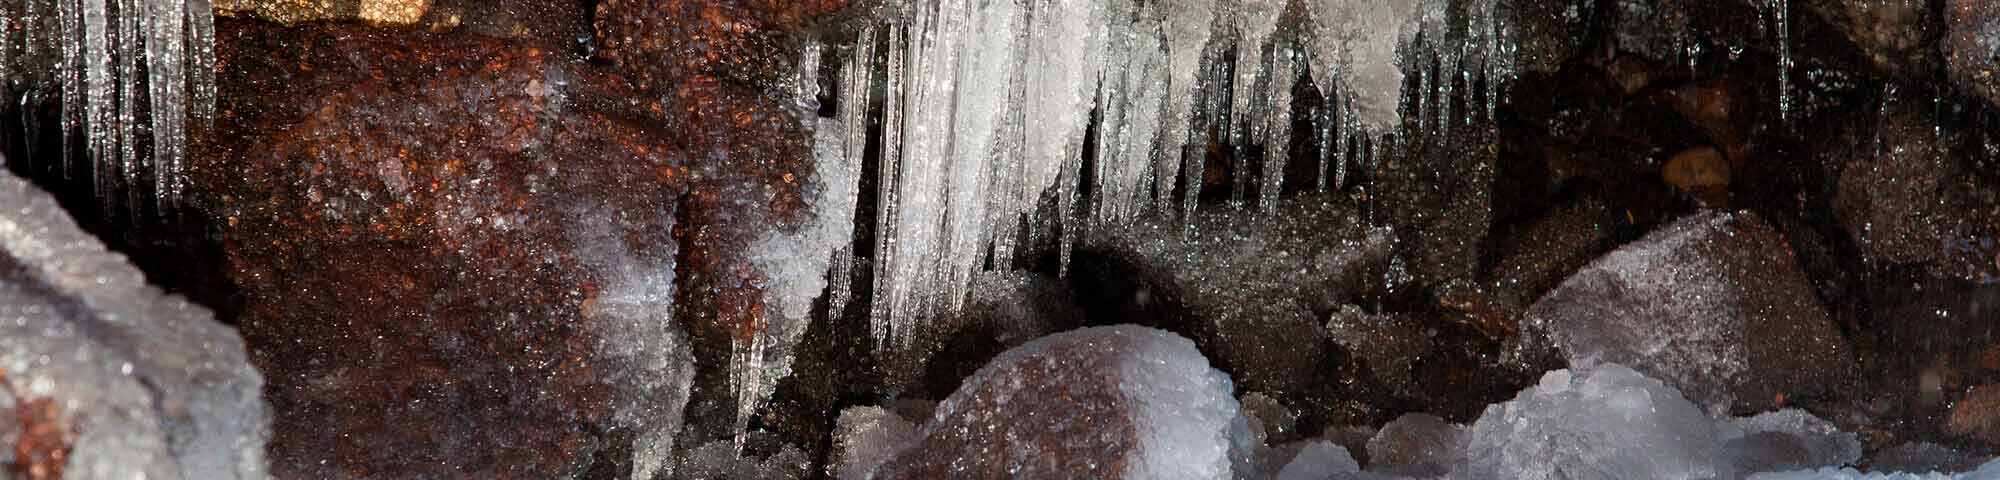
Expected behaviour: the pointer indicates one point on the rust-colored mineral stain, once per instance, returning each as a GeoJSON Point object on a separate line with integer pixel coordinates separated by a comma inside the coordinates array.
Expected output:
{"type": "Point", "coordinates": [42, 446]}
{"type": "Point", "coordinates": [1977, 415]}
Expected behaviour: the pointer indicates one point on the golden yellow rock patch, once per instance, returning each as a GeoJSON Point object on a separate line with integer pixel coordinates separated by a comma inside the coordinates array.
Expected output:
{"type": "Point", "coordinates": [395, 12]}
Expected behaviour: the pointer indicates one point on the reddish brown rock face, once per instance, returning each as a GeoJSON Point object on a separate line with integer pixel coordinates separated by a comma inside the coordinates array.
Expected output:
{"type": "Point", "coordinates": [404, 215]}
{"type": "Point", "coordinates": [1906, 199]}
{"type": "Point", "coordinates": [394, 224]}
{"type": "Point", "coordinates": [661, 43]}
{"type": "Point", "coordinates": [1083, 429]}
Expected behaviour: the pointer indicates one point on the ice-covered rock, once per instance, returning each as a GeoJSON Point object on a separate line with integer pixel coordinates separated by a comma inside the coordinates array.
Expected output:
{"type": "Point", "coordinates": [1923, 457]}
{"type": "Point", "coordinates": [1611, 422]}
{"type": "Point", "coordinates": [1270, 421]}
{"type": "Point", "coordinates": [1417, 445]}
{"type": "Point", "coordinates": [1102, 402]}
{"type": "Point", "coordinates": [863, 438]}
{"type": "Point", "coordinates": [1699, 304]}
{"type": "Point", "coordinates": [722, 460]}
{"type": "Point", "coordinates": [1989, 471]}
{"type": "Point", "coordinates": [1785, 440]}
{"type": "Point", "coordinates": [449, 288]}
{"type": "Point", "coordinates": [1608, 422]}
{"type": "Point", "coordinates": [104, 376]}
{"type": "Point", "coordinates": [1320, 460]}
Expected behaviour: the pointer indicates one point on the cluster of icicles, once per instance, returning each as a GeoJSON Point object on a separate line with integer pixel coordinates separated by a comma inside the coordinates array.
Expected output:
{"type": "Point", "coordinates": [131, 77]}
{"type": "Point", "coordinates": [990, 108]}
{"type": "Point", "coordinates": [1000, 125]}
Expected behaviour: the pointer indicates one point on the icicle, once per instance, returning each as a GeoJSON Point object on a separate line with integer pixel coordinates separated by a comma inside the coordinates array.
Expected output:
{"type": "Point", "coordinates": [746, 368]}
{"type": "Point", "coordinates": [165, 60]}
{"type": "Point", "coordinates": [1323, 121]}
{"type": "Point", "coordinates": [988, 104]}
{"type": "Point", "coordinates": [842, 289]}
{"type": "Point", "coordinates": [888, 290]}
{"type": "Point", "coordinates": [1188, 27]}
{"type": "Point", "coordinates": [201, 59]}
{"type": "Point", "coordinates": [132, 75]}
{"type": "Point", "coordinates": [805, 78]}
{"type": "Point", "coordinates": [799, 264]}
{"type": "Point", "coordinates": [1781, 14]}
{"type": "Point", "coordinates": [70, 69]}
{"type": "Point", "coordinates": [1134, 101]}
{"type": "Point", "coordinates": [1277, 129]}
{"type": "Point", "coordinates": [131, 17]}
{"type": "Point", "coordinates": [99, 104]}
{"type": "Point", "coordinates": [1249, 98]}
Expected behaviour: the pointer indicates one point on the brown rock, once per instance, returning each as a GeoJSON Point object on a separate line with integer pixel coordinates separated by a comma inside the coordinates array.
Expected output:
{"type": "Point", "coordinates": [1702, 172]}
{"type": "Point", "coordinates": [456, 253]}
{"type": "Point", "coordinates": [1905, 200]}
{"type": "Point", "coordinates": [1895, 36]}
{"type": "Point", "coordinates": [1698, 303]}
{"type": "Point", "coordinates": [1087, 403]}
{"type": "Point", "coordinates": [657, 43]}
{"type": "Point", "coordinates": [1977, 415]}
{"type": "Point", "coordinates": [1549, 249]}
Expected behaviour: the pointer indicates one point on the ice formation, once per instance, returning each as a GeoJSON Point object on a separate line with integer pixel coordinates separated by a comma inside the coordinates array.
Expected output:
{"type": "Point", "coordinates": [989, 110]}
{"type": "Point", "coordinates": [1989, 471]}
{"type": "Point", "coordinates": [1785, 440]}
{"type": "Point", "coordinates": [133, 76]}
{"type": "Point", "coordinates": [1606, 423]}
{"type": "Point", "coordinates": [1320, 460]}
{"type": "Point", "coordinates": [1417, 445]}
{"type": "Point", "coordinates": [1610, 422]}
{"type": "Point", "coordinates": [145, 385]}
{"type": "Point", "coordinates": [657, 364]}
{"type": "Point", "coordinates": [863, 438]}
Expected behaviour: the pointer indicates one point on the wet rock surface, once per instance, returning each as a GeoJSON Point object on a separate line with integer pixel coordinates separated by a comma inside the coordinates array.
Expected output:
{"type": "Point", "coordinates": [1906, 198]}
{"type": "Point", "coordinates": [1101, 402]}
{"type": "Point", "coordinates": [1239, 286]}
{"type": "Point", "coordinates": [1686, 303]}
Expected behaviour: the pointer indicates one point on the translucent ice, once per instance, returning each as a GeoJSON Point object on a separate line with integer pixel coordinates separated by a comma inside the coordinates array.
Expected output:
{"type": "Point", "coordinates": [1989, 471]}
{"type": "Point", "coordinates": [1606, 423]}
{"type": "Point", "coordinates": [1418, 445]}
{"type": "Point", "coordinates": [653, 363]}
{"type": "Point", "coordinates": [1320, 460]}
{"type": "Point", "coordinates": [1354, 55]}
{"type": "Point", "coordinates": [1785, 440]}
{"type": "Point", "coordinates": [864, 437]}
{"type": "Point", "coordinates": [140, 384]}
